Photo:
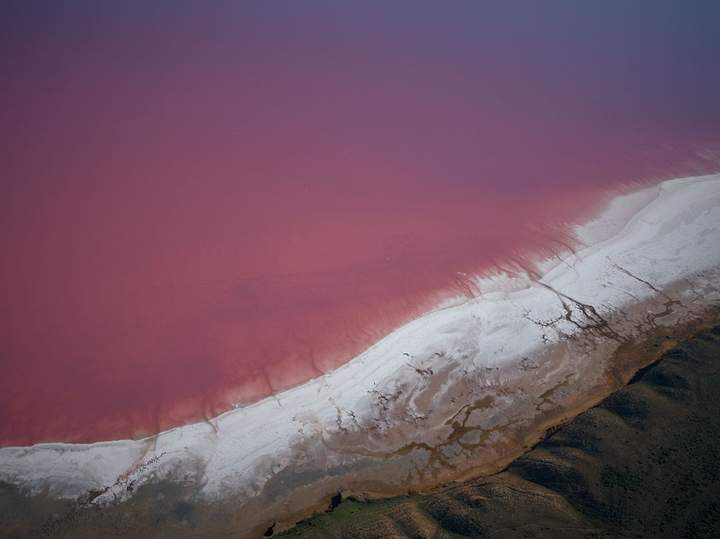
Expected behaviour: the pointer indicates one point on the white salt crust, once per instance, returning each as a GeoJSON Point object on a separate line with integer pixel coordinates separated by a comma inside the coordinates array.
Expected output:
{"type": "Point", "coordinates": [657, 235]}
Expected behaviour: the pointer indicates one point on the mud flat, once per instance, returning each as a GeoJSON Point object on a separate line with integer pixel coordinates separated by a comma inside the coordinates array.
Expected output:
{"type": "Point", "coordinates": [460, 392]}
{"type": "Point", "coordinates": [644, 463]}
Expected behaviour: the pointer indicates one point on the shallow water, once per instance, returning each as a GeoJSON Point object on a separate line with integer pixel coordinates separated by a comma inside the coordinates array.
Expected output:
{"type": "Point", "coordinates": [203, 207]}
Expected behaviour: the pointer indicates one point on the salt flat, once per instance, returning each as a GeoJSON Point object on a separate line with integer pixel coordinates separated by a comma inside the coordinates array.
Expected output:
{"type": "Point", "coordinates": [460, 389]}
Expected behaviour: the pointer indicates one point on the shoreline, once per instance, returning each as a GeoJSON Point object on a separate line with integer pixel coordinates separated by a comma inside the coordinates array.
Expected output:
{"type": "Point", "coordinates": [561, 241]}
{"type": "Point", "coordinates": [413, 409]}
{"type": "Point", "coordinates": [622, 366]}
{"type": "Point", "coordinates": [603, 225]}
{"type": "Point", "coordinates": [83, 515]}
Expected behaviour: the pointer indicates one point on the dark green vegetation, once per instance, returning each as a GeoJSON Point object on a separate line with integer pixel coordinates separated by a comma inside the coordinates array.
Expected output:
{"type": "Point", "coordinates": [645, 463]}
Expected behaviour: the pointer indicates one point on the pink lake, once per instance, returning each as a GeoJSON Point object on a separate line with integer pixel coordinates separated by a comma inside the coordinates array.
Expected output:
{"type": "Point", "coordinates": [203, 207]}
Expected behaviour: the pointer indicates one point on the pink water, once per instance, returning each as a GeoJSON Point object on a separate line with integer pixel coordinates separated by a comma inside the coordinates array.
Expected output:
{"type": "Point", "coordinates": [201, 209]}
